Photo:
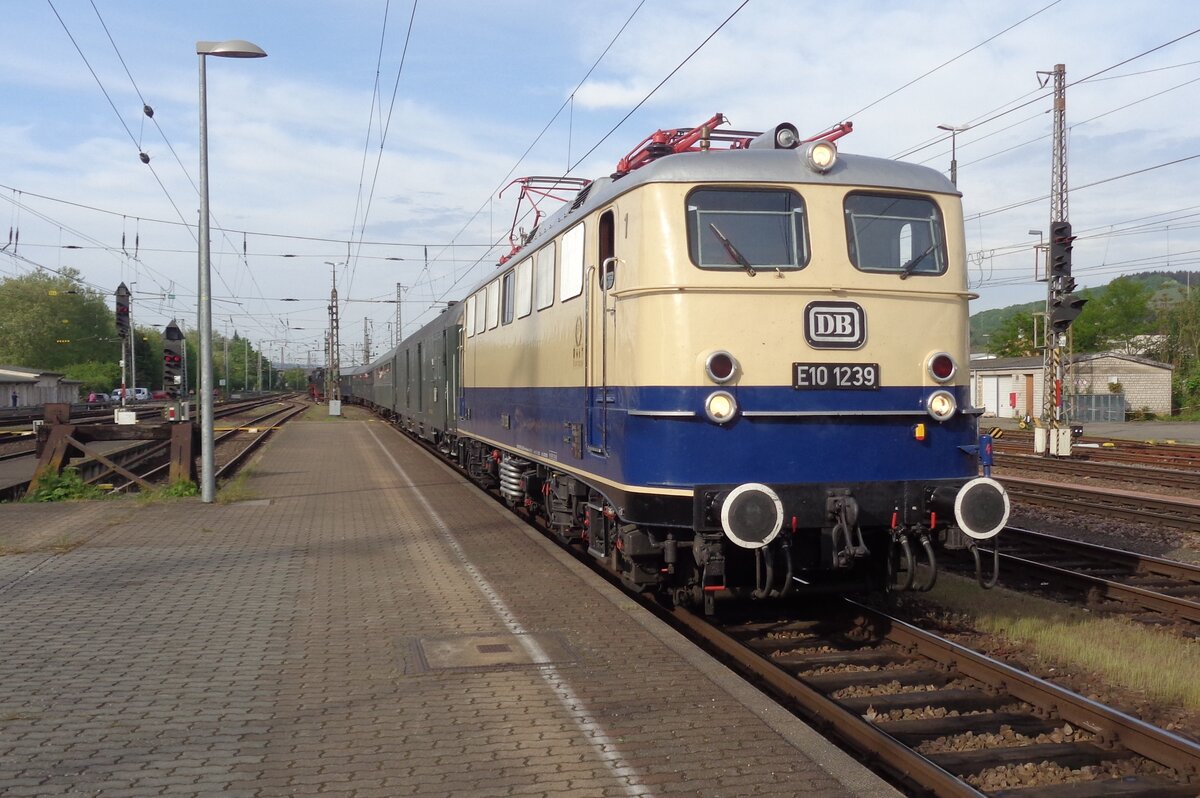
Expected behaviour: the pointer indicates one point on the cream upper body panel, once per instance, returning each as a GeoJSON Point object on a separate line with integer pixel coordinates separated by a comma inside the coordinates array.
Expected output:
{"type": "Point", "coordinates": [666, 314]}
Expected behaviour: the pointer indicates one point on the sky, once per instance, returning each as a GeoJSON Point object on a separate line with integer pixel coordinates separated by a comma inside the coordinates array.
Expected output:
{"type": "Point", "coordinates": [374, 140]}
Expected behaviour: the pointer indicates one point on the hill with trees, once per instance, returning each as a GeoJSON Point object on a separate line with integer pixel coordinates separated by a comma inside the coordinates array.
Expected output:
{"type": "Point", "coordinates": [1151, 314]}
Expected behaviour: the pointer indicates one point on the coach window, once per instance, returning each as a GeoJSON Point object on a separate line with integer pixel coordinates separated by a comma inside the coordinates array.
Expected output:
{"type": "Point", "coordinates": [543, 276]}
{"type": "Point", "coordinates": [507, 299]}
{"type": "Point", "coordinates": [470, 316]}
{"type": "Point", "coordinates": [524, 287]}
{"type": "Point", "coordinates": [571, 265]}
{"type": "Point", "coordinates": [493, 304]}
{"type": "Point", "coordinates": [480, 308]}
{"type": "Point", "coordinates": [731, 229]}
{"type": "Point", "coordinates": [895, 234]}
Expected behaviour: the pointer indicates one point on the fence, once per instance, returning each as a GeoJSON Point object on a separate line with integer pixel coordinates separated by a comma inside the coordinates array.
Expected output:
{"type": "Point", "coordinates": [1094, 407]}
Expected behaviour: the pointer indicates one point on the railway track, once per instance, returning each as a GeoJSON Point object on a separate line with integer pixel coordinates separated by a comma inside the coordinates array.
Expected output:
{"type": "Point", "coordinates": [147, 459]}
{"type": "Point", "coordinates": [1178, 512]}
{"type": "Point", "coordinates": [227, 454]}
{"type": "Point", "coordinates": [1181, 479]}
{"type": "Point", "coordinates": [942, 719]}
{"type": "Point", "coordinates": [1165, 455]}
{"type": "Point", "coordinates": [1109, 579]}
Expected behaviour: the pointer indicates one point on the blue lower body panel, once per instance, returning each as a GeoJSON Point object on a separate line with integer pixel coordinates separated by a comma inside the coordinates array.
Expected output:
{"type": "Point", "coordinates": [633, 440]}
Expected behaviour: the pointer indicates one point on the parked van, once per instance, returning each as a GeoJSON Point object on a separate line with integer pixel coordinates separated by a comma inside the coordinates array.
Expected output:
{"type": "Point", "coordinates": [132, 395]}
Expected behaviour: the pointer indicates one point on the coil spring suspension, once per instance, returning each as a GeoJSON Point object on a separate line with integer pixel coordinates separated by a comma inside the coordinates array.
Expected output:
{"type": "Point", "coordinates": [512, 478]}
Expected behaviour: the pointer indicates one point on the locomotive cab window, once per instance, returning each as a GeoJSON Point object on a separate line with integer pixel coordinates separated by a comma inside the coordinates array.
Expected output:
{"type": "Point", "coordinates": [898, 234]}
{"type": "Point", "coordinates": [747, 229]}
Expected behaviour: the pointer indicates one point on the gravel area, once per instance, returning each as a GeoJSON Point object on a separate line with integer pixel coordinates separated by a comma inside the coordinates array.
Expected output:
{"type": "Point", "coordinates": [1144, 538]}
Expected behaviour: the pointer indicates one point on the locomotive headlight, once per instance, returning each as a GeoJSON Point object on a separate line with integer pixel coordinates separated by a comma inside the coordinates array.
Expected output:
{"type": "Point", "coordinates": [721, 367]}
{"type": "Point", "coordinates": [786, 137]}
{"type": "Point", "coordinates": [941, 366]}
{"type": "Point", "coordinates": [720, 406]}
{"type": "Point", "coordinates": [820, 156]}
{"type": "Point", "coordinates": [941, 405]}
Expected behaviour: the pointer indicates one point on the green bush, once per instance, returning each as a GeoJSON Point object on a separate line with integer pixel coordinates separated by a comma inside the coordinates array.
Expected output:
{"type": "Point", "coordinates": [63, 487]}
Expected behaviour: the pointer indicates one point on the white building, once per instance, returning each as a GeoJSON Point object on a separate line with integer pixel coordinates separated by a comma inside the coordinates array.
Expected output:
{"type": "Point", "coordinates": [1011, 387]}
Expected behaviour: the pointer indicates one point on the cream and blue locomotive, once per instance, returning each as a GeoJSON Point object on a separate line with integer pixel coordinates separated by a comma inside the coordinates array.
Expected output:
{"type": "Point", "coordinates": [737, 366]}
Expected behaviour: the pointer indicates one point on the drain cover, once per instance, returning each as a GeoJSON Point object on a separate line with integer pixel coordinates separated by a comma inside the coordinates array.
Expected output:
{"type": "Point", "coordinates": [491, 651]}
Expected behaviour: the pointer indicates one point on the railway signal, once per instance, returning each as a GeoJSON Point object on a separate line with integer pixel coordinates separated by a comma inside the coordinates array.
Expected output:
{"type": "Point", "coordinates": [123, 310]}
{"type": "Point", "coordinates": [1061, 243]}
{"type": "Point", "coordinates": [1064, 310]}
{"type": "Point", "coordinates": [172, 356]}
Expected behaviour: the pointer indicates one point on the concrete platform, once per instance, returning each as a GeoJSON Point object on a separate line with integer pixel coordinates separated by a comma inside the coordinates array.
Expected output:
{"type": "Point", "coordinates": [365, 623]}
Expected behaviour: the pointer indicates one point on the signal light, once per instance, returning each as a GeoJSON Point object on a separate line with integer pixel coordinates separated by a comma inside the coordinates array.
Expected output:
{"type": "Point", "coordinates": [172, 356]}
{"type": "Point", "coordinates": [123, 310]}
{"type": "Point", "coordinates": [1064, 310]}
{"type": "Point", "coordinates": [1061, 242]}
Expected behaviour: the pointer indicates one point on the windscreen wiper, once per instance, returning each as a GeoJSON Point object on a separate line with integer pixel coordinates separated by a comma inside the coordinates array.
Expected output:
{"type": "Point", "coordinates": [733, 251]}
{"type": "Point", "coordinates": [908, 268]}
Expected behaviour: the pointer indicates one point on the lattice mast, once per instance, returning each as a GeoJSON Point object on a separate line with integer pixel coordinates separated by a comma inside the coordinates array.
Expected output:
{"type": "Point", "coordinates": [334, 371]}
{"type": "Point", "coordinates": [1058, 285]}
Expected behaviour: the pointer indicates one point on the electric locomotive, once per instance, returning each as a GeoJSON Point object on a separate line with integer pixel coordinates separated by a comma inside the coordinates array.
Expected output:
{"type": "Point", "coordinates": [737, 366]}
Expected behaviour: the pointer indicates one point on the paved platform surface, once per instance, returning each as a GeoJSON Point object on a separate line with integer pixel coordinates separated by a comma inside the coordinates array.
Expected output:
{"type": "Point", "coordinates": [364, 624]}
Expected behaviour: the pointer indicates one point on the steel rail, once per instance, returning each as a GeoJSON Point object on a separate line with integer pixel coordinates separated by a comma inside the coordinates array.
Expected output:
{"type": "Point", "coordinates": [1111, 725]}
{"type": "Point", "coordinates": [1118, 562]}
{"type": "Point", "coordinates": [1176, 512]}
{"type": "Point", "coordinates": [1102, 469]}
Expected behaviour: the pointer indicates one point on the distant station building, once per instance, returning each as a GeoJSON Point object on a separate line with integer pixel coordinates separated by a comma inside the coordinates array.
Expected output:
{"type": "Point", "coordinates": [34, 388]}
{"type": "Point", "coordinates": [1103, 386]}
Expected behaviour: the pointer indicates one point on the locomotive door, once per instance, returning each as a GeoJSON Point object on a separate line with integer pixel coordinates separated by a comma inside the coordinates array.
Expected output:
{"type": "Point", "coordinates": [601, 320]}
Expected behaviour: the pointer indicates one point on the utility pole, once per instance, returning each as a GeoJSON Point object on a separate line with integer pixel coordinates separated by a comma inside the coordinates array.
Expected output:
{"type": "Point", "coordinates": [1061, 307]}
{"type": "Point", "coordinates": [333, 371]}
{"type": "Point", "coordinates": [398, 336]}
{"type": "Point", "coordinates": [366, 340]}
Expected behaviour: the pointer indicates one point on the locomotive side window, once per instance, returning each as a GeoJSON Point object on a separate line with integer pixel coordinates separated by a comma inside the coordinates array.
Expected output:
{"type": "Point", "coordinates": [571, 268]}
{"type": "Point", "coordinates": [747, 228]}
{"type": "Point", "coordinates": [469, 316]}
{"type": "Point", "coordinates": [899, 234]}
{"type": "Point", "coordinates": [480, 308]}
{"type": "Point", "coordinates": [543, 280]}
{"type": "Point", "coordinates": [493, 304]}
{"type": "Point", "coordinates": [524, 287]}
{"type": "Point", "coordinates": [507, 298]}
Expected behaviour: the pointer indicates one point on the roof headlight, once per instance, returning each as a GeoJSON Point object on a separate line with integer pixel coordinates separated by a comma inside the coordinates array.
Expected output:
{"type": "Point", "coordinates": [786, 137]}
{"type": "Point", "coordinates": [941, 405]}
{"type": "Point", "coordinates": [820, 155]}
{"type": "Point", "coordinates": [720, 407]}
{"type": "Point", "coordinates": [721, 367]}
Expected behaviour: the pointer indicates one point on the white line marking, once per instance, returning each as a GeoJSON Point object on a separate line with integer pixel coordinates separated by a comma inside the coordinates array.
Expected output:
{"type": "Point", "coordinates": [604, 747]}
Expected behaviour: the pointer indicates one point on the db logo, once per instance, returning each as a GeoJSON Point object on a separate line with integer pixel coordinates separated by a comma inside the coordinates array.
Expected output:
{"type": "Point", "coordinates": [835, 325]}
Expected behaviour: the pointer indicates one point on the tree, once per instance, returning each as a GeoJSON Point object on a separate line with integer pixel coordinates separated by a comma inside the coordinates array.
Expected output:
{"type": "Point", "coordinates": [43, 309]}
{"type": "Point", "coordinates": [1115, 318]}
{"type": "Point", "coordinates": [1014, 337]}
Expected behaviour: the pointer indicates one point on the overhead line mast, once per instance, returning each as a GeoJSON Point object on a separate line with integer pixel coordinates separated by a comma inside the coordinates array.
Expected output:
{"type": "Point", "coordinates": [1061, 306]}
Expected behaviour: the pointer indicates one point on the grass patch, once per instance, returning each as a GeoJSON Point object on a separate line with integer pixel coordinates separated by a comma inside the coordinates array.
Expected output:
{"type": "Point", "coordinates": [63, 486]}
{"type": "Point", "coordinates": [1115, 649]}
{"type": "Point", "coordinates": [236, 489]}
{"type": "Point", "coordinates": [179, 489]}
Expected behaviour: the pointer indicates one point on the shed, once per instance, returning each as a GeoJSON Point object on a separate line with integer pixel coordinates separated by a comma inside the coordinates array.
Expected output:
{"type": "Point", "coordinates": [35, 388]}
{"type": "Point", "coordinates": [1012, 386]}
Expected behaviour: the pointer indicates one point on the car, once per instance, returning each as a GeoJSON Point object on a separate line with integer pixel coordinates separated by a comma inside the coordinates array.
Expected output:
{"type": "Point", "coordinates": [161, 396]}
{"type": "Point", "coordinates": [98, 399]}
{"type": "Point", "coordinates": [132, 395]}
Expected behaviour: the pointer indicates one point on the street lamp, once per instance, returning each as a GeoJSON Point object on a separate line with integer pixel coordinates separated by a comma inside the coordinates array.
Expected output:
{"type": "Point", "coordinates": [954, 131]}
{"type": "Point", "coordinates": [234, 48]}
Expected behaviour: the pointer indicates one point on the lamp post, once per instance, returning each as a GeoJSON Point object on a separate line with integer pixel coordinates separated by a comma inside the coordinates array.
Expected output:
{"type": "Point", "coordinates": [234, 48]}
{"type": "Point", "coordinates": [954, 131]}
